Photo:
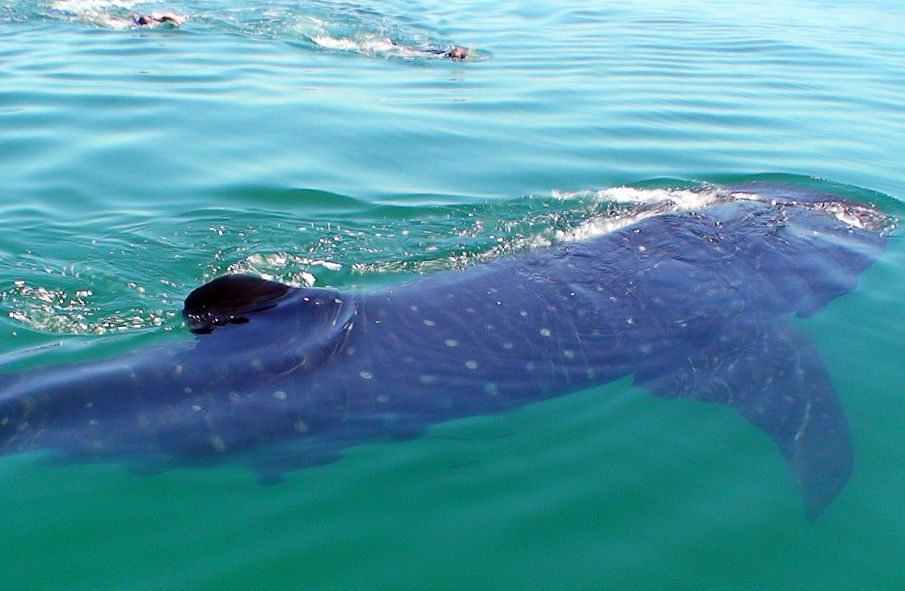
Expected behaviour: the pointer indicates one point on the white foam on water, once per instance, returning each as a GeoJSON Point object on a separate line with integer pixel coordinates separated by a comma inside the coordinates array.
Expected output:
{"type": "Point", "coordinates": [109, 14]}
{"type": "Point", "coordinates": [631, 205]}
{"type": "Point", "coordinates": [372, 45]}
{"type": "Point", "coordinates": [364, 45]}
{"type": "Point", "coordinates": [289, 268]}
{"type": "Point", "coordinates": [93, 6]}
{"type": "Point", "coordinates": [683, 199]}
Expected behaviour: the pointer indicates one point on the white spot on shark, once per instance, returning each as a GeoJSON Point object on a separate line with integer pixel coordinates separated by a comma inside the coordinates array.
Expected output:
{"type": "Point", "coordinates": [217, 444]}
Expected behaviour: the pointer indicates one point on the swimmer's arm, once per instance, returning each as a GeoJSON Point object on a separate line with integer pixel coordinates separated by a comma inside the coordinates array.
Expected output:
{"type": "Point", "coordinates": [168, 17]}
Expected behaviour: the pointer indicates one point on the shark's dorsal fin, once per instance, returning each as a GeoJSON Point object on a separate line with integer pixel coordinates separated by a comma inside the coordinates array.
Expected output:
{"type": "Point", "coordinates": [229, 299]}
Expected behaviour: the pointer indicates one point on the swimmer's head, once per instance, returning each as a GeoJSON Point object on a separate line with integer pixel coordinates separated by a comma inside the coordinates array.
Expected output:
{"type": "Point", "coordinates": [457, 53]}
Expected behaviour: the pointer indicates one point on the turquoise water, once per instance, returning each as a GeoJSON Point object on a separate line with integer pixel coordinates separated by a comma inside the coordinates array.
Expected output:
{"type": "Point", "coordinates": [290, 139]}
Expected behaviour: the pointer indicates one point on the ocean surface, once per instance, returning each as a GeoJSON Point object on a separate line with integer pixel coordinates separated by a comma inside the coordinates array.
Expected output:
{"type": "Point", "coordinates": [330, 144]}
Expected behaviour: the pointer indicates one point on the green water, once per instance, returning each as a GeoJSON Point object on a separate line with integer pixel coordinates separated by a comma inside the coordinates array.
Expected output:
{"type": "Point", "coordinates": [137, 164]}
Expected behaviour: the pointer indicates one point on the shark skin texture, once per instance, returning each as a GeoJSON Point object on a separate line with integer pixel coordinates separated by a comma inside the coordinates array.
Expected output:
{"type": "Point", "coordinates": [692, 303]}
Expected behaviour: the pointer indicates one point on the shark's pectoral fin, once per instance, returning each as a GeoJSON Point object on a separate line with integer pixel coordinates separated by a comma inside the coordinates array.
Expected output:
{"type": "Point", "coordinates": [772, 375]}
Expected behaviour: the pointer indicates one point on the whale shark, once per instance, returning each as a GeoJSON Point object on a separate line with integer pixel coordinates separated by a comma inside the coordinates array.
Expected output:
{"type": "Point", "coordinates": [692, 303]}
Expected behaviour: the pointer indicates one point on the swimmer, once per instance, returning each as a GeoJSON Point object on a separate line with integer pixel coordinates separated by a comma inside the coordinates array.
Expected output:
{"type": "Point", "coordinates": [141, 20]}
{"type": "Point", "coordinates": [456, 53]}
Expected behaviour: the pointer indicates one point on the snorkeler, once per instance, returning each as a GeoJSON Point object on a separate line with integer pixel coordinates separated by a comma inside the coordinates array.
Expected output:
{"type": "Point", "coordinates": [141, 20]}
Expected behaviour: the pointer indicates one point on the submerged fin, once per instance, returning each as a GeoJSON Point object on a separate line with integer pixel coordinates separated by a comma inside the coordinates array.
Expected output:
{"type": "Point", "coordinates": [772, 375]}
{"type": "Point", "coordinates": [229, 299]}
{"type": "Point", "coordinates": [273, 470]}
